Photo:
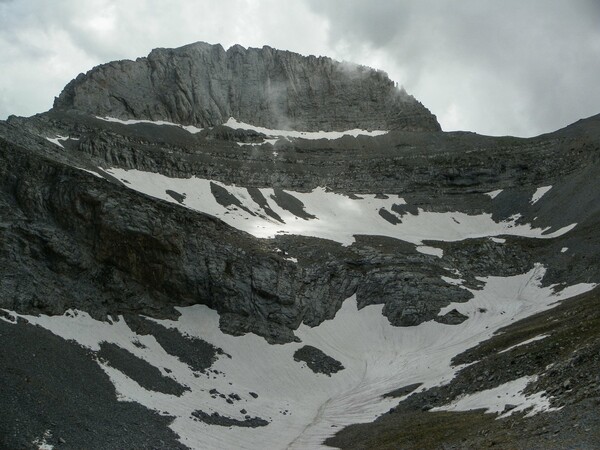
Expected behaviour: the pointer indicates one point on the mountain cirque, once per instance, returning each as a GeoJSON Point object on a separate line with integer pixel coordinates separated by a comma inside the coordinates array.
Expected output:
{"type": "Point", "coordinates": [245, 248]}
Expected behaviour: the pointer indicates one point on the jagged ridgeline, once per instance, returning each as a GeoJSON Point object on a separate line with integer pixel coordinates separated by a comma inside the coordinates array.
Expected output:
{"type": "Point", "coordinates": [203, 85]}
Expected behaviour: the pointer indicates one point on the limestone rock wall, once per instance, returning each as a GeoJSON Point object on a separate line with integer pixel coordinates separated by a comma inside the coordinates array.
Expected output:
{"type": "Point", "coordinates": [203, 85]}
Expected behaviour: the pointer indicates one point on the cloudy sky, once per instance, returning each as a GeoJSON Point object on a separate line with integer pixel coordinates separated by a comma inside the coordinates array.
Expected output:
{"type": "Point", "coordinates": [520, 67]}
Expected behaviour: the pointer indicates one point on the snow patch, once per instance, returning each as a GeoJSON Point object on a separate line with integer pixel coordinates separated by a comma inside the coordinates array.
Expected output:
{"type": "Point", "coordinates": [433, 251]}
{"type": "Point", "coordinates": [96, 174]}
{"type": "Point", "coordinates": [539, 193]}
{"type": "Point", "coordinates": [528, 341]}
{"type": "Point", "coordinates": [453, 281]}
{"type": "Point", "coordinates": [495, 400]}
{"type": "Point", "coordinates": [564, 249]}
{"type": "Point", "coordinates": [493, 194]}
{"type": "Point", "coordinates": [493, 300]}
{"type": "Point", "coordinates": [189, 128]}
{"type": "Point", "coordinates": [266, 141]}
{"type": "Point", "coordinates": [337, 217]}
{"type": "Point", "coordinates": [59, 138]}
{"type": "Point", "coordinates": [236, 125]}
{"type": "Point", "coordinates": [498, 240]}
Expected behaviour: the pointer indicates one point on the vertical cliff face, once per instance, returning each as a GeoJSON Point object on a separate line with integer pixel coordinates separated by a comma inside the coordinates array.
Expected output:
{"type": "Point", "coordinates": [202, 84]}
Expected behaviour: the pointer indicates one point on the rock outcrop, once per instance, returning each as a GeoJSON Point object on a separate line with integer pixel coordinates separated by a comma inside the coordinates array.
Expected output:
{"type": "Point", "coordinates": [203, 85]}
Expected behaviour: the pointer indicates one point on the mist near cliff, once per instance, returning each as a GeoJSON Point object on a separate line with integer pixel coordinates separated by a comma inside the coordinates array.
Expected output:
{"type": "Point", "coordinates": [494, 68]}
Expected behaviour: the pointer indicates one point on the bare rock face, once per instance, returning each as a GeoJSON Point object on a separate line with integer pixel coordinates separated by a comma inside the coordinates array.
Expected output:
{"type": "Point", "coordinates": [203, 85]}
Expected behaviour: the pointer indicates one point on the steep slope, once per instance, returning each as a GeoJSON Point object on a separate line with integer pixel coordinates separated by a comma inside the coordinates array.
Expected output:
{"type": "Point", "coordinates": [558, 349]}
{"type": "Point", "coordinates": [203, 85]}
{"type": "Point", "coordinates": [257, 283]}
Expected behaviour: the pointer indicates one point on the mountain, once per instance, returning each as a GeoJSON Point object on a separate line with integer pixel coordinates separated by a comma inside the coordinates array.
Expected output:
{"type": "Point", "coordinates": [250, 248]}
{"type": "Point", "coordinates": [204, 85]}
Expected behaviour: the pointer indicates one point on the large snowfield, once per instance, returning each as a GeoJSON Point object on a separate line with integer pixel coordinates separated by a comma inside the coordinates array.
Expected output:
{"type": "Point", "coordinates": [325, 214]}
{"type": "Point", "coordinates": [303, 408]}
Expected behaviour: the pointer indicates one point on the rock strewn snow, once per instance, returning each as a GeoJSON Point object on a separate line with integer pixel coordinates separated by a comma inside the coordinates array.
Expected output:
{"type": "Point", "coordinates": [336, 216]}
{"type": "Point", "coordinates": [303, 408]}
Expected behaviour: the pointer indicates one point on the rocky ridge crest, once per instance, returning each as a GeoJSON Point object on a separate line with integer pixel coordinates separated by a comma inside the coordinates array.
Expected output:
{"type": "Point", "coordinates": [203, 85]}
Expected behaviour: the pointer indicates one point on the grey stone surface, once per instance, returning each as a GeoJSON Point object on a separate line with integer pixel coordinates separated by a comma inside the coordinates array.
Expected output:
{"type": "Point", "coordinates": [196, 353]}
{"type": "Point", "coordinates": [317, 360]}
{"type": "Point", "coordinates": [452, 317]}
{"type": "Point", "coordinates": [217, 419]}
{"type": "Point", "coordinates": [404, 390]}
{"type": "Point", "coordinates": [202, 84]}
{"type": "Point", "coordinates": [55, 386]}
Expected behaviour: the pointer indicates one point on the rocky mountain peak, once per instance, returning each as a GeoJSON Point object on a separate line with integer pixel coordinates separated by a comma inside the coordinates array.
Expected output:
{"type": "Point", "coordinates": [203, 85]}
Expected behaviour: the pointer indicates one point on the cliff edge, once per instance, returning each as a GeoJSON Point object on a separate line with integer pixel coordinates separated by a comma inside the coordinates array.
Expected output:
{"type": "Point", "coordinates": [203, 85]}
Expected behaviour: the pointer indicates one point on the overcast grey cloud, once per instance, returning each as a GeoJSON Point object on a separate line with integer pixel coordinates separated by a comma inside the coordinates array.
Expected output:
{"type": "Point", "coordinates": [516, 66]}
{"type": "Point", "coordinates": [44, 44]}
{"type": "Point", "coordinates": [510, 67]}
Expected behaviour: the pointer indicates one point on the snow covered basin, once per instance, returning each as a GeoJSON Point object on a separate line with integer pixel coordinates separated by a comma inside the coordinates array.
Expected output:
{"type": "Point", "coordinates": [302, 408]}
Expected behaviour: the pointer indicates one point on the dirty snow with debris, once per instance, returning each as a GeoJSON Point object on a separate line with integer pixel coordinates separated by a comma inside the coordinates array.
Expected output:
{"type": "Point", "coordinates": [303, 408]}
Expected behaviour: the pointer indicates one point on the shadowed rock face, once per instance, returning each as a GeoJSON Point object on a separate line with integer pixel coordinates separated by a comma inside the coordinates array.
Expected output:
{"type": "Point", "coordinates": [204, 85]}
